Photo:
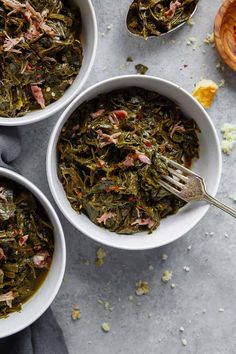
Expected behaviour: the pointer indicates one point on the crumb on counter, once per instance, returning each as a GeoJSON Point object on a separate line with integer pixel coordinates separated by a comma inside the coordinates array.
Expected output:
{"type": "Point", "coordinates": [105, 327]}
{"type": "Point", "coordinates": [141, 69]}
{"type": "Point", "coordinates": [75, 313]}
{"type": "Point", "coordinates": [184, 342]}
{"type": "Point", "coordinates": [229, 137]}
{"type": "Point", "coordinates": [166, 276]}
{"type": "Point", "coordinates": [209, 38]}
{"type": "Point", "coordinates": [142, 288]}
{"type": "Point", "coordinates": [190, 22]}
{"type": "Point", "coordinates": [101, 254]}
{"type": "Point", "coordinates": [205, 92]}
{"type": "Point", "coordinates": [164, 257]}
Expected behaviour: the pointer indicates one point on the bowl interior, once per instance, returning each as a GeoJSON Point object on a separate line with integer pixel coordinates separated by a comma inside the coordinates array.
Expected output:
{"type": "Point", "coordinates": [89, 40]}
{"type": "Point", "coordinates": [44, 296]}
{"type": "Point", "coordinates": [208, 166]}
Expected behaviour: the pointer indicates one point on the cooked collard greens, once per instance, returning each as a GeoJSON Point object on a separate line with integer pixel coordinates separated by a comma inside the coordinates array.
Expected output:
{"type": "Point", "coordinates": [153, 17]}
{"type": "Point", "coordinates": [109, 158]}
{"type": "Point", "coordinates": [40, 53]}
{"type": "Point", "coordinates": [26, 246]}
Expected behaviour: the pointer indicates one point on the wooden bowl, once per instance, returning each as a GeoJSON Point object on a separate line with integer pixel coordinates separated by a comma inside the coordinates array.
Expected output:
{"type": "Point", "coordinates": [225, 33]}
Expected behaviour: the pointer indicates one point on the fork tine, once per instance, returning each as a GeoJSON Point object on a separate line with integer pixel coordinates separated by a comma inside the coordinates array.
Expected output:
{"type": "Point", "coordinates": [178, 174]}
{"type": "Point", "coordinates": [178, 166]}
{"type": "Point", "coordinates": [169, 188]}
{"type": "Point", "coordinates": [173, 181]}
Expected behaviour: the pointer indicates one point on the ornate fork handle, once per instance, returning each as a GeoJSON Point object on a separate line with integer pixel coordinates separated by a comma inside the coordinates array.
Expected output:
{"type": "Point", "coordinates": [219, 204]}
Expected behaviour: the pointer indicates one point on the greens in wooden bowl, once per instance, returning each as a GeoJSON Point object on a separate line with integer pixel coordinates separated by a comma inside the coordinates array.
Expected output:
{"type": "Point", "coordinates": [26, 246]}
{"type": "Point", "coordinates": [108, 156]}
{"type": "Point", "coordinates": [40, 53]}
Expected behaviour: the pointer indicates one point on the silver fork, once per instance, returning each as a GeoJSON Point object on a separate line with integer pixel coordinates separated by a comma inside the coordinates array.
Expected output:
{"type": "Point", "coordinates": [189, 186]}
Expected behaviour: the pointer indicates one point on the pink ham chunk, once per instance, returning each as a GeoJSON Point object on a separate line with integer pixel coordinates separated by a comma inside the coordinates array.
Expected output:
{"type": "Point", "coordinates": [103, 219]}
{"type": "Point", "coordinates": [22, 240]}
{"type": "Point", "coordinates": [172, 9]}
{"type": "Point", "coordinates": [42, 259]}
{"type": "Point", "coordinates": [142, 222]}
{"type": "Point", "coordinates": [38, 95]}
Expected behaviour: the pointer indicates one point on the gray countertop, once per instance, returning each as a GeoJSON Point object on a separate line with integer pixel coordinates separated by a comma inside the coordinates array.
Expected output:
{"type": "Point", "coordinates": [150, 324]}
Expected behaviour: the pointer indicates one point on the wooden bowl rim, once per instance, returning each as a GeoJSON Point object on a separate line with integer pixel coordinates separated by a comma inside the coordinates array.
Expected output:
{"type": "Point", "coordinates": [224, 8]}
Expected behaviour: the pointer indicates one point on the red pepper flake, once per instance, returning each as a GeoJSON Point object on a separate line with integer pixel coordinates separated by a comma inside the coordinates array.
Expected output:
{"type": "Point", "coordinates": [120, 114]}
{"type": "Point", "coordinates": [147, 143]}
{"type": "Point", "coordinates": [112, 188]}
{"type": "Point", "coordinates": [79, 194]}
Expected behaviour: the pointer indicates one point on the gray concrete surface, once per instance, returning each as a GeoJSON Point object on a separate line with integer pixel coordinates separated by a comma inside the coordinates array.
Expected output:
{"type": "Point", "coordinates": [150, 324]}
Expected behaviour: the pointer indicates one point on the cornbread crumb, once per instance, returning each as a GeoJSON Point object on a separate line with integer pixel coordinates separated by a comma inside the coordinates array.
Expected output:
{"type": "Point", "coordinates": [173, 286]}
{"type": "Point", "coordinates": [205, 92]}
{"type": "Point", "coordinates": [186, 268]}
{"type": "Point", "coordinates": [105, 327]}
{"type": "Point", "coordinates": [222, 83]}
{"type": "Point", "coordinates": [109, 27]}
{"type": "Point", "coordinates": [166, 277]}
{"type": "Point", "coordinates": [209, 38]}
{"type": "Point", "coordinates": [184, 342]}
{"type": "Point", "coordinates": [151, 268]}
{"type": "Point", "coordinates": [75, 313]}
{"type": "Point", "coordinates": [142, 288]}
{"type": "Point", "coordinates": [221, 310]}
{"type": "Point", "coordinates": [190, 22]}
{"type": "Point", "coordinates": [101, 254]}
{"type": "Point", "coordinates": [229, 137]}
{"type": "Point", "coordinates": [164, 257]}
{"type": "Point", "coordinates": [191, 40]}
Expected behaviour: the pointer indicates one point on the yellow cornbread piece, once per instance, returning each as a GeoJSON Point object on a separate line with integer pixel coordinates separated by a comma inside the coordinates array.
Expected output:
{"type": "Point", "coordinates": [205, 92]}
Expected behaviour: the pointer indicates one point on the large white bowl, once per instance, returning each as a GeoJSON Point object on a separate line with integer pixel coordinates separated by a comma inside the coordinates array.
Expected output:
{"type": "Point", "coordinates": [44, 296]}
{"type": "Point", "coordinates": [89, 39]}
{"type": "Point", "coordinates": [208, 165]}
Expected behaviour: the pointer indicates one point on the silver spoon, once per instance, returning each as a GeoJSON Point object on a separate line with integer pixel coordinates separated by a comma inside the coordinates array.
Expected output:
{"type": "Point", "coordinates": [162, 34]}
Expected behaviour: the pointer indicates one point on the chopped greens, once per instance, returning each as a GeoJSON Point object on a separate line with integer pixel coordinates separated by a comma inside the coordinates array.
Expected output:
{"type": "Point", "coordinates": [153, 17]}
{"type": "Point", "coordinates": [26, 246]}
{"type": "Point", "coordinates": [109, 158]}
{"type": "Point", "coordinates": [141, 69]}
{"type": "Point", "coordinates": [40, 53]}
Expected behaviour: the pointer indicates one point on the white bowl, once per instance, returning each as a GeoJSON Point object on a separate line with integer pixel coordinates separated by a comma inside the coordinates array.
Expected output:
{"type": "Point", "coordinates": [44, 296]}
{"type": "Point", "coordinates": [208, 165]}
{"type": "Point", "coordinates": [89, 39]}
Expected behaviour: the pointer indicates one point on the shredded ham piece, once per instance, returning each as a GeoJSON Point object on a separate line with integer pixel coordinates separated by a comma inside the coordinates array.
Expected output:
{"type": "Point", "coordinates": [100, 163]}
{"type": "Point", "coordinates": [7, 297]}
{"type": "Point", "coordinates": [144, 222]}
{"type": "Point", "coordinates": [130, 158]}
{"type": "Point", "coordinates": [16, 6]}
{"type": "Point", "coordinates": [10, 43]}
{"type": "Point", "coordinates": [2, 254]}
{"type": "Point", "coordinates": [97, 114]}
{"type": "Point", "coordinates": [2, 195]}
{"type": "Point", "coordinates": [38, 95]}
{"type": "Point", "coordinates": [103, 219]}
{"type": "Point", "coordinates": [177, 128]}
{"type": "Point", "coordinates": [142, 157]}
{"type": "Point", "coordinates": [173, 7]}
{"type": "Point", "coordinates": [120, 114]}
{"type": "Point", "coordinates": [129, 161]}
{"type": "Point", "coordinates": [22, 240]}
{"type": "Point", "coordinates": [109, 139]}
{"type": "Point", "coordinates": [113, 119]}
{"type": "Point", "coordinates": [42, 259]}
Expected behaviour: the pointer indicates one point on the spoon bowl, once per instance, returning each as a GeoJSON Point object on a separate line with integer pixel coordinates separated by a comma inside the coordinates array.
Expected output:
{"type": "Point", "coordinates": [161, 34]}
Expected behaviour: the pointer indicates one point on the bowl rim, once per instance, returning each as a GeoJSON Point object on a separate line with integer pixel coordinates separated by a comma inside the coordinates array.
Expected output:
{"type": "Point", "coordinates": [65, 116]}
{"type": "Point", "coordinates": [61, 103]}
{"type": "Point", "coordinates": [16, 177]}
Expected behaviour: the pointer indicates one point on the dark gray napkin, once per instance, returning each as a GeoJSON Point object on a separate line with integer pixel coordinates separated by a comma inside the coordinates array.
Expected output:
{"type": "Point", "coordinates": [44, 336]}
